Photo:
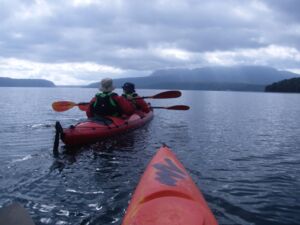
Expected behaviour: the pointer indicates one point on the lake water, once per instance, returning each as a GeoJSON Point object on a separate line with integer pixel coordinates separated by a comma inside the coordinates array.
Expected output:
{"type": "Point", "coordinates": [242, 149]}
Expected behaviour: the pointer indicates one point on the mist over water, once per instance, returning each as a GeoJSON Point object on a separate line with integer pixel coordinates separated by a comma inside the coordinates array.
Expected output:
{"type": "Point", "coordinates": [242, 149]}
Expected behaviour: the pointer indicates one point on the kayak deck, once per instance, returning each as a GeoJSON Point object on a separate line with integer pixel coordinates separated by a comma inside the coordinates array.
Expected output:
{"type": "Point", "coordinates": [166, 195]}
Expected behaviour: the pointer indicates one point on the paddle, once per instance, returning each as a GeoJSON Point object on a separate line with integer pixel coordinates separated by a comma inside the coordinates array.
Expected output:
{"type": "Point", "coordinates": [62, 106]}
{"type": "Point", "coordinates": [174, 107]}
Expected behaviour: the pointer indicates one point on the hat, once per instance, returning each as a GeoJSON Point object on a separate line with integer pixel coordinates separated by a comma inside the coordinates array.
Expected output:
{"type": "Point", "coordinates": [106, 85]}
{"type": "Point", "coordinates": [128, 87]}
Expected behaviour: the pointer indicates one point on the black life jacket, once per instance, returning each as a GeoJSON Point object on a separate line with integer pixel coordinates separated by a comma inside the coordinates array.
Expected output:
{"type": "Point", "coordinates": [105, 105]}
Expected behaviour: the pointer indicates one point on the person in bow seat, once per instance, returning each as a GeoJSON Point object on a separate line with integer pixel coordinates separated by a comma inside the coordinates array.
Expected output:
{"type": "Point", "coordinates": [109, 103]}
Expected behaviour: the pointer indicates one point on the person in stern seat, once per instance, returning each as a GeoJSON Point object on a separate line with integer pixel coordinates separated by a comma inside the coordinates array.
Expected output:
{"type": "Point", "coordinates": [130, 94]}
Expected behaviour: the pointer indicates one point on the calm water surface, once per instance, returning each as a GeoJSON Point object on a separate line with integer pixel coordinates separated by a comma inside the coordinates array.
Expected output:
{"type": "Point", "coordinates": [241, 149]}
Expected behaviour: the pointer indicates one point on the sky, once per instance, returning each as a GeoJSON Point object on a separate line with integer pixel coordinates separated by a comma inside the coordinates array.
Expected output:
{"type": "Point", "coordinates": [77, 42]}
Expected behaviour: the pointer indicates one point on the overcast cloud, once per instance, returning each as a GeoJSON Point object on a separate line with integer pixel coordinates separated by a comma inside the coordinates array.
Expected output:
{"type": "Point", "coordinates": [82, 41]}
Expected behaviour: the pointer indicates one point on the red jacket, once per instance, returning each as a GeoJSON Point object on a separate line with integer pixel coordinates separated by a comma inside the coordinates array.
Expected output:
{"type": "Point", "coordinates": [141, 104]}
{"type": "Point", "coordinates": [126, 106]}
{"type": "Point", "coordinates": [137, 102]}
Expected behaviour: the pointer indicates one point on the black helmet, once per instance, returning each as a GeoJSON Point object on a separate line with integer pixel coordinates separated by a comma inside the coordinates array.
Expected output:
{"type": "Point", "coordinates": [128, 87]}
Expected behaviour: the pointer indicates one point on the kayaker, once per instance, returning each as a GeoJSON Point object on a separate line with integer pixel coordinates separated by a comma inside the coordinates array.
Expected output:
{"type": "Point", "coordinates": [130, 94]}
{"type": "Point", "coordinates": [108, 103]}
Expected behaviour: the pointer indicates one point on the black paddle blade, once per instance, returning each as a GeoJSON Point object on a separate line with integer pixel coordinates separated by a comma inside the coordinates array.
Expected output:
{"type": "Point", "coordinates": [174, 107]}
{"type": "Point", "coordinates": [167, 94]}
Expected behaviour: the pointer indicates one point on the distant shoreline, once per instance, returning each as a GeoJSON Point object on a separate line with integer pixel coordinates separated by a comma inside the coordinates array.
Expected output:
{"type": "Point", "coordinates": [10, 82]}
{"type": "Point", "coordinates": [236, 78]}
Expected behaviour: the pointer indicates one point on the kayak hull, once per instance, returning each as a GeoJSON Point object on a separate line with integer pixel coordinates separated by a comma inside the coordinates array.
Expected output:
{"type": "Point", "coordinates": [166, 195]}
{"type": "Point", "coordinates": [91, 131]}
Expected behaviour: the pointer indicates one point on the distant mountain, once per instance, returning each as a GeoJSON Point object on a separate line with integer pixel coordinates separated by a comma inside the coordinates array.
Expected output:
{"type": "Point", "coordinates": [238, 78]}
{"type": "Point", "coordinates": [290, 85]}
{"type": "Point", "coordinates": [9, 82]}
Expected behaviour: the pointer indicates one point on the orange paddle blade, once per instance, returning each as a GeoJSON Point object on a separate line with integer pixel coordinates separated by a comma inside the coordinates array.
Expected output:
{"type": "Point", "coordinates": [62, 106]}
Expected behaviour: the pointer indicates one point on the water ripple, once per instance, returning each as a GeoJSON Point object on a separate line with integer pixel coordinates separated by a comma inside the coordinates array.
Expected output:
{"type": "Point", "coordinates": [241, 149]}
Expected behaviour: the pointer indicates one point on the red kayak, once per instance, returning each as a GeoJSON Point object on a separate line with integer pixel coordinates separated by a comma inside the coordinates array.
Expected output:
{"type": "Point", "coordinates": [166, 195]}
{"type": "Point", "coordinates": [94, 130]}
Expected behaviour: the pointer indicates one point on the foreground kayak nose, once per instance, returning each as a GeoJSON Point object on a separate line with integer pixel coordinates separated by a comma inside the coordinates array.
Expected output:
{"type": "Point", "coordinates": [166, 195]}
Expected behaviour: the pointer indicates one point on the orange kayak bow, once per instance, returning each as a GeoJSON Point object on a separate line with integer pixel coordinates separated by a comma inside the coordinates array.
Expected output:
{"type": "Point", "coordinates": [166, 195]}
